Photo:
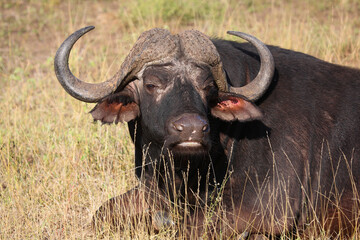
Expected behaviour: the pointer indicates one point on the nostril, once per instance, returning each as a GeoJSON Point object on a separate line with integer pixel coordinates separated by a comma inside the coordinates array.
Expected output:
{"type": "Point", "coordinates": [179, 127]}
{"type": "Point", "coordinates": [189, 125]}
{"type": "Point", "coordinates": [205, 128]}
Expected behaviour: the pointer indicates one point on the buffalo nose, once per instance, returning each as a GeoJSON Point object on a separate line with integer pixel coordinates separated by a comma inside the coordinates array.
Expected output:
{"type": "Point", "coordinates": [192, 124]}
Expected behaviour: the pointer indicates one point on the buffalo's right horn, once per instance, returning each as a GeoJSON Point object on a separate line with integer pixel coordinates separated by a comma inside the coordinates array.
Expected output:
{"type": "Point", "coordinates": [153, 46]}
{"type": "Point", "coordinates": [83, 91]}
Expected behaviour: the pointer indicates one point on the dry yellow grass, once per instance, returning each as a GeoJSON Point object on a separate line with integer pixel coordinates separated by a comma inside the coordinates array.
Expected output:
{"type": "Point", "coordinates": [56, 165]}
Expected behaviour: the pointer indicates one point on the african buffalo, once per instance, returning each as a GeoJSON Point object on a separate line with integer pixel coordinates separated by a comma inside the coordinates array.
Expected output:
{"type": "Point", "coordinates": [268, 139]}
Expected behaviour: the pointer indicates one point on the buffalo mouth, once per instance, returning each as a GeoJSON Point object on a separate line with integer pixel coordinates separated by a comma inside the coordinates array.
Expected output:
{"type": "Point", "coordinates": [190, 147]}
{"type": "Point", "coordinates": [189, 144]}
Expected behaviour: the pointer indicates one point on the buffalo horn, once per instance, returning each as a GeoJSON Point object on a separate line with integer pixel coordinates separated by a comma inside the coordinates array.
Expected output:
{"type": "Point", "coordinates": [83, 91]}
{"type": "Point", "coordinates": [153, 46]}
{"type": "Point", "coordinates": [257, 87]}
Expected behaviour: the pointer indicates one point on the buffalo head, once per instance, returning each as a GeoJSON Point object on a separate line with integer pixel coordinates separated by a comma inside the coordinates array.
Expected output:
{"type": "Point", "coordinates": [171, 84]}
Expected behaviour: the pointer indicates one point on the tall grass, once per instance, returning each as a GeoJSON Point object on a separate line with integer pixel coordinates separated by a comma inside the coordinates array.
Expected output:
{"type": "Point", "coordinates": [56, 165]}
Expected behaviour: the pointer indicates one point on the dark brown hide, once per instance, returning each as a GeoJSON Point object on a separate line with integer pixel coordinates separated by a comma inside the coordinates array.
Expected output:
{"type": "Point", "coordinates": [282, 163]}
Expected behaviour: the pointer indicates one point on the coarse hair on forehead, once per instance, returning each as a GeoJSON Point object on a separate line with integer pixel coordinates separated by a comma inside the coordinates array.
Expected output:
{"type": "Point", "coordinates": [158, 46]}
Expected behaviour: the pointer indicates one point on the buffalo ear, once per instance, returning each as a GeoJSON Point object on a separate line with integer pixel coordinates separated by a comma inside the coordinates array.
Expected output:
{"type": "Point", "coordinates": [119, 107]}
{"type": "Point", "coordinates": [231, 107]}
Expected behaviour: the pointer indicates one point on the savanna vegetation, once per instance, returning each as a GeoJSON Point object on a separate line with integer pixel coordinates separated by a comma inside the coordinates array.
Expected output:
{"type": "Point", "coordinates": [56, 165]}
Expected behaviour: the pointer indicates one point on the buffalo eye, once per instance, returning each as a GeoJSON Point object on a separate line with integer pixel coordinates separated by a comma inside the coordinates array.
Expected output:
{"type": "Point", "coordinates": [209, 83]}
{"type": "Point", "coordinates": [150, 87]}
{"type": "Point", "coordinates": [208, 87]}
{"type": "Point", "coordinates": [151, 83]}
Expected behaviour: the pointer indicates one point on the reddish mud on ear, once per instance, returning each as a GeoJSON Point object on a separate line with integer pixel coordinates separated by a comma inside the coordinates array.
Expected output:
{"type": "Point", "coordinates": [231, 107]}
{"type": "Point", "coordinates": [116, 108]}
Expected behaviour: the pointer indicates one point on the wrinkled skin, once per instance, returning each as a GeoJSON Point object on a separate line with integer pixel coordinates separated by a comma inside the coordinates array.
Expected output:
{"type": "Point", "coordinates": [273, 163]}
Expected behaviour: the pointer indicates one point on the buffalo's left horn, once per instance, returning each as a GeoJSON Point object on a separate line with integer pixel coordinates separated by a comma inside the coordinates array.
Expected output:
{"type": "Point", "coordinates": [87, 92]}
{"type": "Point", "coordinates": [257, 87]}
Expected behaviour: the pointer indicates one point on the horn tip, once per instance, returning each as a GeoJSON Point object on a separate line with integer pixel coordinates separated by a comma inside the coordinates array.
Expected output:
{"type": "Point", "coordinates": [88, 28]}
{"type": "Point", "coordinates": [236, 33]}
